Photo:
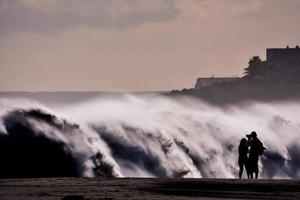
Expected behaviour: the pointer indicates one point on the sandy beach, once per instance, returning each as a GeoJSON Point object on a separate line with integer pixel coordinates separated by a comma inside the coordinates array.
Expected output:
{"type": "Point", "coordinates": [147, 188]}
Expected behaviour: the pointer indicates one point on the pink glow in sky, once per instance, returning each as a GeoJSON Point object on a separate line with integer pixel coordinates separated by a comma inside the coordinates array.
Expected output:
{"type": "Point", "coordinates": [136, 45]}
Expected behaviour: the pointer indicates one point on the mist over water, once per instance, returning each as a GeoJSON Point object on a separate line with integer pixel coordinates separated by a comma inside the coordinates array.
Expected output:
{"type": "Point", "coordinates": [139, 136]}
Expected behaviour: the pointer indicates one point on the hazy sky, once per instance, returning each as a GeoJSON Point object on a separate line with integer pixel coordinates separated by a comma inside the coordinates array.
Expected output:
{"type": "Point", "coordinates": [122, 45]}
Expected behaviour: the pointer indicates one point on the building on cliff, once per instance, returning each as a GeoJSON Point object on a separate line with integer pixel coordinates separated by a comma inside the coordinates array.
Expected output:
{"type": "Point", "coordinates": [284, 62]}
{"type": "Point", "coordinates": [284, 57]}
{"type": "Point", "coordinates": [209, 81]}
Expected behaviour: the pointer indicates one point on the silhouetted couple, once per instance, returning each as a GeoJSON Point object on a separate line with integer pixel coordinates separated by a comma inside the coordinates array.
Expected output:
{"type": "Point", "coordinates": [255, 148]}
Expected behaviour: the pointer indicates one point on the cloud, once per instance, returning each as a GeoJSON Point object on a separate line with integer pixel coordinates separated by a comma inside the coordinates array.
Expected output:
{"type": "Point", "coordinates": [209, 8]}
{"type": "Point", "coordinates": [56, 16]}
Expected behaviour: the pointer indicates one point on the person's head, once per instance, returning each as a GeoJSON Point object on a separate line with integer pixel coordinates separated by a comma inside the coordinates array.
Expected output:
{"type": "Point", "coordinates": [243, 142]}
{"type": "Point", "coordinates": [253, 134]}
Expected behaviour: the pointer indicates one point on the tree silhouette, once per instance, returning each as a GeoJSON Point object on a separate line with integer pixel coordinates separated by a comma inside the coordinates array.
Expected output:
{"type": "Point", "coordinates": [256, 68]}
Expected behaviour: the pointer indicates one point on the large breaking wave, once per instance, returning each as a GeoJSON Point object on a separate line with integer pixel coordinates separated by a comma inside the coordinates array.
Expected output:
{"type": "Point", "coordinates": [136, 136]}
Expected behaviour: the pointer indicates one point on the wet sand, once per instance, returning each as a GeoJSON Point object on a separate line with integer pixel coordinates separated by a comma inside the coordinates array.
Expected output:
{"type": "Point", "coordinates": [146, 188]}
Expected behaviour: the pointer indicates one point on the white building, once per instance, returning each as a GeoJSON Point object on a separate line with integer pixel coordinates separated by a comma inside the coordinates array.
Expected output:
{"type": "Point", "coordinates": [206, 82]}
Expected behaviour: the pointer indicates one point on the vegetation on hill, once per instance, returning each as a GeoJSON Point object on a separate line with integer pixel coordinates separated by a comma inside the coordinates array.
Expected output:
{"type": "Point", "coordinates": [256, 68]}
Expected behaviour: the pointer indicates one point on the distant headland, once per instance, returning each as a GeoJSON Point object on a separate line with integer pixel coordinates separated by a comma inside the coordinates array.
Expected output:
{"type": "Point", "coordinates": [276, 78]}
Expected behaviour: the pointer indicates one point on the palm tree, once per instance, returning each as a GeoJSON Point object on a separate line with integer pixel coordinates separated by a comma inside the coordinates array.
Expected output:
{"type": "Point", "coordinates": [256, 68]}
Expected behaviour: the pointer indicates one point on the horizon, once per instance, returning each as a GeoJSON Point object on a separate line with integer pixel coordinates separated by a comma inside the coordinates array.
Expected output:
{"type": "Point", "coordinates": [81, 91]}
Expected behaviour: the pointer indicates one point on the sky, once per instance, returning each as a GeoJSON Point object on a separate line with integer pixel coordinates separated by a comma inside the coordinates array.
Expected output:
{"type": "Point", "coordinates": [136, 45]}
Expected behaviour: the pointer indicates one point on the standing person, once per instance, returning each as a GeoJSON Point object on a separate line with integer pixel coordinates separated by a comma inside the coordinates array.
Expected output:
{"type": "Point", "coordinates": [243, 158]}
{"type": "Point", "coordinates": [256, 149]}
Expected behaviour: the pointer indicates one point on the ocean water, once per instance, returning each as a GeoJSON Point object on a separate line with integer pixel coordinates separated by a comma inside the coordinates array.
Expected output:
{"type": "Point", "coordinates": [133, 135]}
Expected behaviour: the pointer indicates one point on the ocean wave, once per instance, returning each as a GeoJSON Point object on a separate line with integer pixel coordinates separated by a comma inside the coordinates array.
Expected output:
{"type": "Point", "coordinates": [145, 137]}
